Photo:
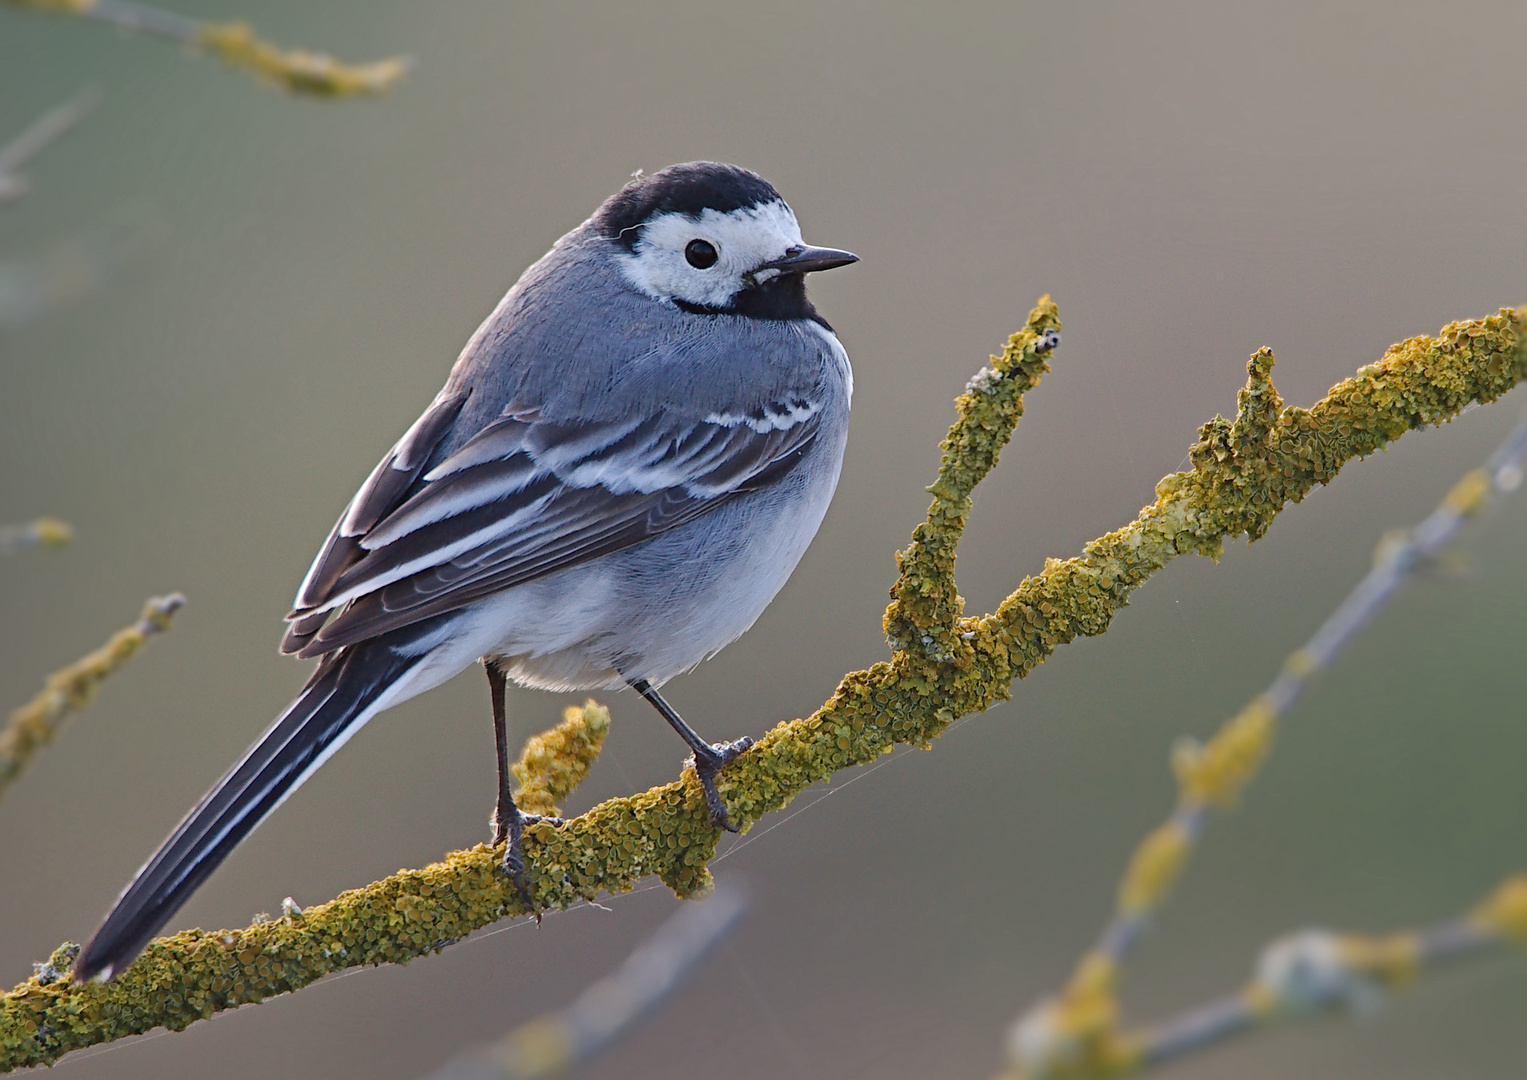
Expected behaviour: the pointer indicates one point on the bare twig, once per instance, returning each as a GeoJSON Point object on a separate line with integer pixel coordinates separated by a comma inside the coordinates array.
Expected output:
{"type": "Point", "coordinates": [559, 1041]}
{"type": "Point", "coordinates": [46, 129]}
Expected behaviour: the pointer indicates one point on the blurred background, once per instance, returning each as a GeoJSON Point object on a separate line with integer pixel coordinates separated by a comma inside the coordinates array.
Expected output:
{"type": "Point", "coordinates": [252, 295]}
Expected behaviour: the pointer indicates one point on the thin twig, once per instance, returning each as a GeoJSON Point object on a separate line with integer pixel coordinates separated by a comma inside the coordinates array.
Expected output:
{"type": "Point", "coordinates": [34, 725]}
{"type": "Point", "coordinates": [46, 129]}
{"type": "Point", "coordinates": [559, 1041]}
{"type": "Point", "coordinates": [1316, 971]}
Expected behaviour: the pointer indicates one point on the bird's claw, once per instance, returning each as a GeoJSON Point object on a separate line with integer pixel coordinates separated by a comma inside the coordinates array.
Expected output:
{"type": "Point", "coordinates": [706, 768]}
{"type": "Point", "coordinates": [509, 831]}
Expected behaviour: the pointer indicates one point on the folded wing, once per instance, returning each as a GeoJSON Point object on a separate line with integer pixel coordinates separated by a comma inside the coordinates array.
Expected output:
{"type": "Point", "coordinates": [523, 498]}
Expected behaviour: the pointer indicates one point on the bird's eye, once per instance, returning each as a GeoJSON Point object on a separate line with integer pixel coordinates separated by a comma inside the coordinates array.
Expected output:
{"type": "Point", "coordinates": [700, 254]}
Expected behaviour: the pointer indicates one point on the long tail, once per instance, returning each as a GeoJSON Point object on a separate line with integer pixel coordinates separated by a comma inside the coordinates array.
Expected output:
{"type": "Point", "coordinates": [348, 688]}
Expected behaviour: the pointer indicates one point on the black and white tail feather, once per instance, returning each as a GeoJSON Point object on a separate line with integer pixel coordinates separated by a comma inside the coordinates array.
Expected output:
{"type": "Point", "coordinates": [346, 690]}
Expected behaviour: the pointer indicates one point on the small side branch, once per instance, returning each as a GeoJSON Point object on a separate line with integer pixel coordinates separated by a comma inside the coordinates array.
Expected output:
{"type": "Point", "coordinates": [559, 1041]}
{"type": "Point", "coordinates": [1314, 972]}
{"type": "Point", "coordinates": [45, 532]}
{"type": "Point", "coordinates": [47, 129]}
{"type": "Point", "coordinates": [294, 70]}
{"type": "Point", "coordinates": [34, 725]}
{"type": "Point", "coordinates": [1244, 472]}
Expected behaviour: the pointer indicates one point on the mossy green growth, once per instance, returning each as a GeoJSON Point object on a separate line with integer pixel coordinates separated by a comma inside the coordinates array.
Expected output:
{"type": "Point", "coordinates": [924, 603]}
{"type": "Point", "coordinates": [946, 665]}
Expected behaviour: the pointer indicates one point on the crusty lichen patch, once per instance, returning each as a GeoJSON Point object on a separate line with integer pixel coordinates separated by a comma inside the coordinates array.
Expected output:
{"type": "Point", "coordinates": [945, 665]}
{"type": "Point", "coordinates": [555, 762]}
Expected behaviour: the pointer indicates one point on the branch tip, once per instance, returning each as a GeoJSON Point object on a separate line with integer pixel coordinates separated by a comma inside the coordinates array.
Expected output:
{"type": "Point", "coordinates": [555, 762]}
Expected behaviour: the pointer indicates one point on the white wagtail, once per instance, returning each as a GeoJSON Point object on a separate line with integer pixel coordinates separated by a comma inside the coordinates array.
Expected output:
{"type": "Point", "coordinates": [627, 462]}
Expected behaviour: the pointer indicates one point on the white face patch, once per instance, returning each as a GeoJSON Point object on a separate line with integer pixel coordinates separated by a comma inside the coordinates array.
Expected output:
{"type": "Point", "coordinates": [744, 240]}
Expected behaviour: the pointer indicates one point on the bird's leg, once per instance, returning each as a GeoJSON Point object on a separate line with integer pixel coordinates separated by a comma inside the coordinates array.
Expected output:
{"type": "Point", "coordinates": [505, 811]}
{"type": "Point", "coordinates": [508, 822]}
{"type": "Point", "coordinates": [710, 758]}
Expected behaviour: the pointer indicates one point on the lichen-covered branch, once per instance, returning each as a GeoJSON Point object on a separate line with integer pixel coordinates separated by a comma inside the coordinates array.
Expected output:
{"type": "Point", "coordinates": [1077, 1033]}
{"type": "Point", "coordinates": [44, 532]}
{"type": "Point", "coordinates": [1315, 972]}
{"type": "Point", "coordinates": [295, 70]}
{"type": "Point", "coordinates": [947, 665]}
{"type": "Point", "coordinates": [67, 691]}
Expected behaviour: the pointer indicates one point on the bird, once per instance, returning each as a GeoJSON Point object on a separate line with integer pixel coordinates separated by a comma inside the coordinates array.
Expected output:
{"type": "Point", "coordinates": [626, 463]}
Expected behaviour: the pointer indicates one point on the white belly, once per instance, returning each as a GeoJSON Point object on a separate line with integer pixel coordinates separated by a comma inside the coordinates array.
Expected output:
{"type": "Point", "coordinates": [657, 609]}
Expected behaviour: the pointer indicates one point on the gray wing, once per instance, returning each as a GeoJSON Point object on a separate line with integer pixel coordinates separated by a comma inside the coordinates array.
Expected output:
{"type": "Point", "coordinates": [525, 497]}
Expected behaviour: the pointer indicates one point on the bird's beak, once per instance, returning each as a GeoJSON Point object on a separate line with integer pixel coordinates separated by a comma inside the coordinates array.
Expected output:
{"type": "Point", "coordinates": [803, 260]}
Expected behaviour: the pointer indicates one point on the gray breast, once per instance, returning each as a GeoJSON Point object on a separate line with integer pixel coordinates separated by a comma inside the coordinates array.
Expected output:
{"type": "Point", "coordinates": [659, 608]}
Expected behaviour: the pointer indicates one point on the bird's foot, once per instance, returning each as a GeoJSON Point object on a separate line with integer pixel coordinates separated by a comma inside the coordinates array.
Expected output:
{"type": "Point", "coordinates": [509, 830]}
{"type": "Point", "coordinates": [707, 766]}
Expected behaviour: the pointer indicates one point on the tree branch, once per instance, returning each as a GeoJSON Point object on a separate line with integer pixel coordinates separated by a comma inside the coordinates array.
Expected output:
{"type": "Point", "coordinates": [43, 532]}
{"type": "Point", "coordinates": [557, 1042]}
{"type": "Point", "coordinates": [946, 665]}
{"type": "Point", "coordinates": [70, 689]}
{"type": "Point", "coordinates": [554, 763]}
{"type": "Point", "coordinates": [294, 70]}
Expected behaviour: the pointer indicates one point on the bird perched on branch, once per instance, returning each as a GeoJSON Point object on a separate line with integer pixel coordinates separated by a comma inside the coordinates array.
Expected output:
{"type": "Point", "coordinates": [625, 465]}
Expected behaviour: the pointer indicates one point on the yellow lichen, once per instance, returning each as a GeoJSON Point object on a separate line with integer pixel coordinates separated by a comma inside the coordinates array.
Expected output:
{"type": "Point", "coordinates": [236, 44]}
{"type": "Point", "coordinates": [298, 70]}
{"type": "Point", "coordinates": [67, 691]}
{"type": "Point", "coordinates": [44, 532]}
{"type": "Point", "coordinates": [541, 1047]}
{"type": "Point", "coordinates": [1393, 960]}
{"type": "Point", "coordinates": [53, 533]}
{"type": "Point", "coordinates": [1155, 867]}
{"type": "Point", "coordinates": [555, 762]}
{"type": "Point", "coordinates": [66, 7]}
{"type": "Point", "coordinates": [1469, 495]}
{"type": "Point", "coordinates": [1217, 771]}
{"type": "Point", "coordinates": [1504, 913]}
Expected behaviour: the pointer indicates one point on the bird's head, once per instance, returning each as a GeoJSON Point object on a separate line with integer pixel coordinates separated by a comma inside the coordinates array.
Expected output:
{"type": "Point", "coordinates": [713, 239]}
